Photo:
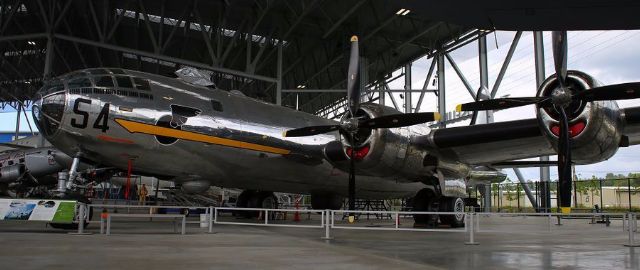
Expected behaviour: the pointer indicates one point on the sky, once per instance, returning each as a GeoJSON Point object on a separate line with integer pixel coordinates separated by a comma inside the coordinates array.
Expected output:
{"type": "Point", "coordinates": [609, 56]}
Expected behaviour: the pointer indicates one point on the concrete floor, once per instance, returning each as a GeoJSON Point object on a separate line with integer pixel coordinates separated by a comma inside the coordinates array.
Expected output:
{"type": "Point", "coordinates": [135, 245]}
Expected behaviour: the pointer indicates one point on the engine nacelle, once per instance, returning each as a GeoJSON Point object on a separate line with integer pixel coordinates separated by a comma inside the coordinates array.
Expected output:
{"type": "Point", "coordinates": [196, 186]}
{"type": "Point", "coordinates": [595, 127]}
{"type": "Point", "coordinates": [387, 152]}
{"type": "Point", "coordinates": [11, 173]}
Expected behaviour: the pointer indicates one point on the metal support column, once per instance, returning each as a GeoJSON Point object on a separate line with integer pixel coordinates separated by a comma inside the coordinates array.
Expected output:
{"type": "Point", "coordinates": [48, 62]}
{"type": "Point", "coordinates": [18, 109]}
{"type": "Point", "coordinates": [487, 197]}
{"type": "Point", "coordinates": [442, 109]}
{"type": "Point", "coordinates": [526, 189]}
{"type": "Point", "coordinates": [545, 176]}
{"type": "Point", "coordinates": [48, 57]}
{"type": "Point", "coordinates": [407, 87]}
{"type": "Point", "coordinates": [483, 116]}
{"type": "Point", "coordinates": [364, 77]}
{"type": "Point", "coordinates": [279, 76]}
{"type": "Point", "coordinates": [381, 93]}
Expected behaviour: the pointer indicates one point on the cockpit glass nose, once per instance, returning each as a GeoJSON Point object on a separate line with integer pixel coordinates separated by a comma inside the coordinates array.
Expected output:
{"type": "Point", "coordinates": [48, 111]}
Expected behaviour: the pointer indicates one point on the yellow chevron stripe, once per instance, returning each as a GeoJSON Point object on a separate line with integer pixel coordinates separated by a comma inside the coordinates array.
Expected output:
{"type": "Point", "coordinates": [137, 127]}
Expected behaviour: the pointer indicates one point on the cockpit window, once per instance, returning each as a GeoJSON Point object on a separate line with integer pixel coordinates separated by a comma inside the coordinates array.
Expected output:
{"type": "Point", "coordinates": [124, 81]}
{"type": "Point", "coordinates": [116, 71]}
{"type": "Point", "coordinates": [48, 116]}
{"type": "Point", "coordinates": [141, 84]}
{"type": "Point", "coordinates": [79, 82]}
{"type": "Point", "coordinates": [75, 74]}
{"type": "Point", "coordinates": [53, 86]}
{"type": "Point", "coordinates": [98, 71]}
{"type": "Point", "coordinates": [104, 81]}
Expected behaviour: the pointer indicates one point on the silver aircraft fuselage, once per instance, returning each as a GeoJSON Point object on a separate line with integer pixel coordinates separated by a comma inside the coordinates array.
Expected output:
{"type": "Point", "coordinates": [167, 128]}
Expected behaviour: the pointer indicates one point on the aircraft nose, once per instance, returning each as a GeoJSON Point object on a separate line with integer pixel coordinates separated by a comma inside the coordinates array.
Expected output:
{"type": "Point", "coordinates": [48, 107]}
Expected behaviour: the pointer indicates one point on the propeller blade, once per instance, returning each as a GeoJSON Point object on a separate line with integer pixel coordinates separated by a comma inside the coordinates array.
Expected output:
{"type": "Point", "coordinates": [352, 183]}
{"type": "Point", "coordinates": [559, 43]}
{"type": "Point", "coordinates": [499, 103]}
{"type": "Point", "coordinates": [353, 77]}
{"type": "Point", "coordinates": [309, 131]}
{"type": "Point", "coordinates": [610, 92]}
{"type": "Point", "coordinates": [564, 163]}
{"type": "Point", "coordinates": [399, 120]}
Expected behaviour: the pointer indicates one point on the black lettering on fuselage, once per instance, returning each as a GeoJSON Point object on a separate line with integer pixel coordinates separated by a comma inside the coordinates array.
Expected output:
{"type": "Point", "coordinates": [101, 122]}
{"type": "Point", "coordinates": [84, 115]}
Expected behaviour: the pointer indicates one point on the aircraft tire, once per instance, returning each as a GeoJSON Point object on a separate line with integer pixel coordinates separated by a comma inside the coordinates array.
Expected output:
{"type": "Point", "coordinates": [327, 200]}
{"type": "Point", "coordinates": [243, 202]}
{"type": "Point", "coordinates": [452, 204]}
{"type": "Point", "coordinates": [425, 200]}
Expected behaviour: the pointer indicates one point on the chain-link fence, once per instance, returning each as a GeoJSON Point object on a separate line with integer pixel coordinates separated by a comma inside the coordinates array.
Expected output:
{"type": "Point", "coordinates": [611, 195]}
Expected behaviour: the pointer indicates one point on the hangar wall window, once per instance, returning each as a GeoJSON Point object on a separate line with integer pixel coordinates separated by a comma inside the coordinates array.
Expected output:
{"type": "Point", "coordinates": [124, 81]}
{"type": "Point", "coordinates": [216, 105]}
{"type": "Point", "coordinates": [141, 84]}
{"type": "Point", "coordinates": [104, 81]}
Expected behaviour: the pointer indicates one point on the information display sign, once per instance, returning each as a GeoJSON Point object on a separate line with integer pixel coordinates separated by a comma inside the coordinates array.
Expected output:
{"type": "Point", "coordinates": [58, 211]}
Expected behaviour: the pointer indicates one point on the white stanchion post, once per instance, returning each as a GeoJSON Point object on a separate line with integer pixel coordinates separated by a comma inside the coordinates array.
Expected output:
{"type": "Point", "coordinates": [184, 225]}
{"type": "Point", "coordinates": [81, 219]}
{"type": "Point", "coordinates": [81, 215]}
{"type": "Point", "coordinates": [211, 214]}
{"type": "Point", "coordinates": [471, 230]}
{"type": "Point", "coordinates": [397, 220]}
{"type": "Point", "coordinates": [327, 225]}
{"type": "Point", "coordinates": [632, 221]}
{"type": "Point", "coordinates": [101, 224]}
{"type": "Point", "coordinates": [109, 225]}
{"type": "Point", "coordinates": [266, 217]}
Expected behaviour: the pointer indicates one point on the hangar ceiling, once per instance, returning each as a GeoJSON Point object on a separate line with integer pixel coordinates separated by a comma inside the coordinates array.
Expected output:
{"type": "Point", "coordinates": [237, 39]}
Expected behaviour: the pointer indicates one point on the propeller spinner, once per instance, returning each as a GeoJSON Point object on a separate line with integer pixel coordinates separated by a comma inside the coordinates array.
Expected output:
{"type": "Point", "coordinates": [350, 125]}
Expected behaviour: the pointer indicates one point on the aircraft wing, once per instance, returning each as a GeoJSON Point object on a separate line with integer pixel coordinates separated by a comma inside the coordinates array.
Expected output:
{"type": "Point", "coordinates": [497, 143]}
{"type": "Point", "coordinates": [489, 143]}
{"type": "Point", "coordinates": [538, 15]}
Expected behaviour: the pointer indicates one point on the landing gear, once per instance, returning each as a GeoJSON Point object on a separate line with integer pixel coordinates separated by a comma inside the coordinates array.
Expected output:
{"type": "Point", "coordinates": [449, 204]}
{"type": "Point", "coordinates": [255, 199]}
{"type": "Point", "coordinates": [427, 201]}
{"type": "Point", "coordinates": [326, 200]}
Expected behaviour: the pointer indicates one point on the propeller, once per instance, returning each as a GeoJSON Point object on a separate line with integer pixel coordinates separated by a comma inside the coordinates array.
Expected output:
{"type": "Point", "coordinates": [560, 100]}
{"type": "Point", "coordinates": [351, 124]}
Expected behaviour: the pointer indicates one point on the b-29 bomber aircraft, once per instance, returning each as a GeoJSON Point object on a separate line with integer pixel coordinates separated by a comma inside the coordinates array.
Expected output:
{"type": "Point", "coordinates": [199, 136]}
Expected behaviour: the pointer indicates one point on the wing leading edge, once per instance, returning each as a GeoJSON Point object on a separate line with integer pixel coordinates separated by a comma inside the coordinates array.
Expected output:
{"type": "Point", "coordinates": [489, 143]}
{"type": "Point", "coordinates": [494, 143]}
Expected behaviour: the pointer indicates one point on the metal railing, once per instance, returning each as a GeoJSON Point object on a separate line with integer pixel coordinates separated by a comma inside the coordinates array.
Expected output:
{"type": "Point", "coordinates": [150, 209]}
{"type": "Point", "coordinates": [265, 214]}
{"type": "Point", "coordinates": [328, 220]}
